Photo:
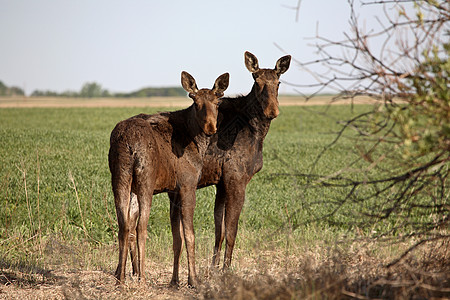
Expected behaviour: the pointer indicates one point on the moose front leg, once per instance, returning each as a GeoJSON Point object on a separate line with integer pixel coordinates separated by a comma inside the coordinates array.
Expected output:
{"type": "Point", "coordinates": [177, 233]}
{"type": "Point", "coordinates": [219, 209]}
{"type": "Point", "coordinates": [187, 200]}
{"type": "Point", "coordinates": [234, 201]}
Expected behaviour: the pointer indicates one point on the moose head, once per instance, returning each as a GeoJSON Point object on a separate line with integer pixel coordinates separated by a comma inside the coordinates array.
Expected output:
{"type": "Point", "coordinates": [267, 82]}
{"type": "Point", "coordinates": [206, 101]}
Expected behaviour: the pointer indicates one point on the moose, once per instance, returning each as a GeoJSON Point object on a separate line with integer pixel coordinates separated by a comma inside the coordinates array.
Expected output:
{"type": "Point", "coordinates": [233, 156]}
{"type": "Point", "coordinates": [163, 152]}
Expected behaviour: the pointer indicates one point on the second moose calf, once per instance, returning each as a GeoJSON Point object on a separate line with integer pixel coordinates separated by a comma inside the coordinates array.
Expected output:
{"type": "Point", "coordinates": [150, 154]}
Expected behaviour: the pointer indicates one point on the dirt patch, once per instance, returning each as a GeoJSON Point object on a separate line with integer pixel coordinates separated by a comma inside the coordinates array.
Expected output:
{"type": "Point", "coordinates": [155, 101]}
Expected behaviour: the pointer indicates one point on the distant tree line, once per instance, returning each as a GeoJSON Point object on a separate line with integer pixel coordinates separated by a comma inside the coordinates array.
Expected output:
{"type": "Point", "coordinates": [154, 92]}
{"type": "Point", "coordinates": [95, 90]}
{"type": "Point", "coordinates": [10, 91]}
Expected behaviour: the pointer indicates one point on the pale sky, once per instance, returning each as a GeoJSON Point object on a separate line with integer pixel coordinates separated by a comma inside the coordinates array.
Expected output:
{"type": "Point", "coordinates": [126, 45]}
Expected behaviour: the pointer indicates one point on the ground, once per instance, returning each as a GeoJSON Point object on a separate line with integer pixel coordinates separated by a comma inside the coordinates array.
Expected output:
{"type": "Point", "coordinates": [296, 271]}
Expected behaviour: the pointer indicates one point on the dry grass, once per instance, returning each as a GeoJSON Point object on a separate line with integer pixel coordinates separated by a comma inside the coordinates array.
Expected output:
{"type": "Point", "coordinates": [333, 273]}
{"type": "Point", "coordinates": [348, 270]}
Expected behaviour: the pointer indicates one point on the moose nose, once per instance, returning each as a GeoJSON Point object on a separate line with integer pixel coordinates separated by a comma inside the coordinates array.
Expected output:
{"type": "Point", "coordinates": [210, 129]}
{"type": "Point", "coordinates": [271, 112]}
{"type": "Point", "coordinates": [275, 113]}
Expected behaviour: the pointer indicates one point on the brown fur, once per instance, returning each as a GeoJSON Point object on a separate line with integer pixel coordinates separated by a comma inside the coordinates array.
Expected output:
{"type": "Point", "coordinates": [150, 154]}
{"type": "Point", "coordinates": [234, 155]}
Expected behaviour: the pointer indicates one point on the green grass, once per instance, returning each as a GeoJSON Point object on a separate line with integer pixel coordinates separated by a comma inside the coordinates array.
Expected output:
{"type": "Point", "coordinates": [54, 177]}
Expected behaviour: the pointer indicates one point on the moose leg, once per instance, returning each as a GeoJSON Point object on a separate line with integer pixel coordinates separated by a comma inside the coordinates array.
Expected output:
{"type": "Point", "coordinates": [145, 202]}
{"type": "Point", "coordinates": [134, 214]}
{"type": "Point", "coordinates": [175, 222]}
{"type": "Point", "coordinates": [187, 200]}
{"type": "Point", "coordinates": [121, 199]}
{"type": "Point", "coordinates": [219, 224]}
{"type": "Point", "coordinates": [233, 207]}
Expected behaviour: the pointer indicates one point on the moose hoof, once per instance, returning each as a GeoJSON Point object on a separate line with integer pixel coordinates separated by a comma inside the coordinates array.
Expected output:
{"type": "Point", "coordinates": [192, 284]}
{"type": "Point", "coordinates": [174, 283]}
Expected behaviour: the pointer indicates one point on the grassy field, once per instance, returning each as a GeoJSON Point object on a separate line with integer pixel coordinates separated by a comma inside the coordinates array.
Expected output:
{"type": "Point", "coordinates": [58, 228]}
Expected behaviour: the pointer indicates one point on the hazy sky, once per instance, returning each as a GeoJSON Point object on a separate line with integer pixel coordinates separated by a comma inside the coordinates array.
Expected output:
{"type": "Point", "coordinates": [126, 45]}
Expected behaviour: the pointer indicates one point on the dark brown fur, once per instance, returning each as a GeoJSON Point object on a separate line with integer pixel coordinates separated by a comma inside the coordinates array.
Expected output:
{"type": "Point", "coordinates": [150, 154]}
{"type": "Point", "coordinates": [234, 155]}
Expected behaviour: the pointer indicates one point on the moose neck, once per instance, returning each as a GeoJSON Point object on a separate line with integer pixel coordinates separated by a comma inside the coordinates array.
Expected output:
{"type": "Point", "coordinates": [252, 108]}
{"type": "Point", "coordinates": [194, 130]}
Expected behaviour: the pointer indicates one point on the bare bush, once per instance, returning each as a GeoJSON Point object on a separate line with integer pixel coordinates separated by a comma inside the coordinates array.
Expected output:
{"type": "Point", "coordinates": [398, 183]}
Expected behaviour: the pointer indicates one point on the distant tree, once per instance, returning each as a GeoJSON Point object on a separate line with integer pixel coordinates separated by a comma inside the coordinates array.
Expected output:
{"type": "Point", "coordinates": [155, 92]}
{"type": "Point", "coordinates": [69, 94]}
{"type": "Point", "coordinates": [106, 93]}
{"type": "Point", "coordinates": [16, 91]}
{"type": "Point", "coordinates": [93, 89]}
{"type": "Point", "coordinates": [36, 93]}
{"type": "Point", "coordinates": [10, 91]}
{"type": "Point", "coordinates": [47, 93]}
{"type": "Point", "coordinates": [3, 89]}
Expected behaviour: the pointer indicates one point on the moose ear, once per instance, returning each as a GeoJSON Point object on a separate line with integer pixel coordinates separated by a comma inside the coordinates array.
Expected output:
{"type": "Point", "coordinates": [283, 65]}
{"type": "Point", "coordinates": [251, 62]}
{"type": "Point", "coordinates": [188, 83]}
{"type": "Point", "coordinates": [221, 84]}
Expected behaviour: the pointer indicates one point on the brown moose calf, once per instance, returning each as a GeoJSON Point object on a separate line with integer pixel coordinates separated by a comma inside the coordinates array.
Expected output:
{"type": "Point", "coordinates": [235, 153]}
{"type": "Point", "coordinates": [150, 154]}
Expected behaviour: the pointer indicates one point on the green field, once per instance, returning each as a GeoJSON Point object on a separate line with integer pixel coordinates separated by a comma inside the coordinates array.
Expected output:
{"type": "Point", "coordinates": [55, 192]}
{"type": "Point", "coordinates": [61, 155]}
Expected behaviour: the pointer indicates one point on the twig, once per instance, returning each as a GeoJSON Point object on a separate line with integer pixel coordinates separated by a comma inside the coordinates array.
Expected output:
{"type": "Point", "coordinates": [353, 295]}
{"type": "Point", "coordinates": [110, 219]}
{"type": "Point", "coordinates": [24, 175]}
{"type": "Point", "coordinates": [6, 184]}
{"type": "Point", "coordinates": [38, 202]}
{"type": "Point", "coordinates": [413, 247]}
{"type": "Point", "coordinates": [79, 205]}
{"type": "Point", "coordinates": [12, 248]}
{"type": "Point", "coordinates": [86, 233]}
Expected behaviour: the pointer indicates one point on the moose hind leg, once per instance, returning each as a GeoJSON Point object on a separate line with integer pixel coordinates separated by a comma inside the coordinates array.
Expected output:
{"type": "Point", "coordinates": [134, 214]}
{"type": "Point", "coordinates": [177, 228]}
{"type": "Point", "coordinates": [145, 202]}
{"type": "Point", "coordinates": [122, 201]}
